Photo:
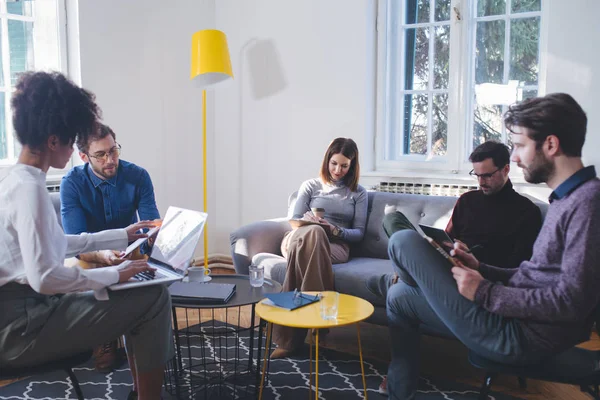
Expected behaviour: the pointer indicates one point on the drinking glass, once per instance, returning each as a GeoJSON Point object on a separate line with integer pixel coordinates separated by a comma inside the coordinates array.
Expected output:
{"type": "Point", "coordinates": [257, 275]}
{"type": "Point", "coordinates": [329, 305]}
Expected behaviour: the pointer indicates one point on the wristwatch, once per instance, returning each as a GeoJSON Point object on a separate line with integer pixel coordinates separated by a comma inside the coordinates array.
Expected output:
{"type": "Point", "coordinates": [337, 232]}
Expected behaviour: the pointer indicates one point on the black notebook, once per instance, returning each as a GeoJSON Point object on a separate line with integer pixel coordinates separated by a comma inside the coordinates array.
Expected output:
{"type": "Point", "coordinates": [203, 293]}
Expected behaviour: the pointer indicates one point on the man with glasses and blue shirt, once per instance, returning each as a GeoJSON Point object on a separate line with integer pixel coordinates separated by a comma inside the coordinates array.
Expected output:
{"type": "Point", "coordinates": [496, 223]}
{"type": "Point", "coordinates": [105, 193]}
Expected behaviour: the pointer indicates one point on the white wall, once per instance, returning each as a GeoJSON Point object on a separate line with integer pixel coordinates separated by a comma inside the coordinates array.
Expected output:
{"type": "Point", "coordinates": [302, 79]}
{"type": "Point", "coordinates": [574, 62]}
{"type": "Point", "coordinates": [303, 76]}
{"type": "Point", "coordinates": [135, 58]}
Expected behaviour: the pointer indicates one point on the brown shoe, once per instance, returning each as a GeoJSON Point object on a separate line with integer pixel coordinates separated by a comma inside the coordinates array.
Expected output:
{"type": "Point", "coordinates": [105, 356]}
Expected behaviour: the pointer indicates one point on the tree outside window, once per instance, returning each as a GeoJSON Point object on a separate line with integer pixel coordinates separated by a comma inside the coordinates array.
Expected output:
{"type": "Point", "coordinates": [491, 51]}
{"type": "Point", "coordinates": [29, 40]}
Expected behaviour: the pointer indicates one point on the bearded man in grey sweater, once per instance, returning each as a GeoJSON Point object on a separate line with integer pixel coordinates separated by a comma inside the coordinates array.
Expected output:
{"type": "Point", "coordinates": [518, 315]}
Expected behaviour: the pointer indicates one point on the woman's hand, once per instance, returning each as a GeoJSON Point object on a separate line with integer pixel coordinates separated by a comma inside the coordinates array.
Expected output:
{"type": "Point", "coordinates": [309, 216]}
{"type": "Point", "coordinates": [110, 257]}
{"type": "Point", "coordinates": [132, 268]}
{"type": "Point", "coordinates": [323, 221]}
{"type": "Point", "coordinates": [133, 233]}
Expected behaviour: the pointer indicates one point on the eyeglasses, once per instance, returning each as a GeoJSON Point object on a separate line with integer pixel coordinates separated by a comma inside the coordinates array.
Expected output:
{"type": "Point", "coordinates": [103, 156]}
{"type": "Point", "coordinates": [483, 176]}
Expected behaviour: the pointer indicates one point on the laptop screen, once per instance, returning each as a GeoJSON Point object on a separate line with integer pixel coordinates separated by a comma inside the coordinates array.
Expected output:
{"type": "Point", "coordinates": [178, 237]}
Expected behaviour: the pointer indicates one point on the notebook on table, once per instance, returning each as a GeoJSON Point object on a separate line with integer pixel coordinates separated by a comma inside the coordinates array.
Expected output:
{"type": "Point", "coordinates": [173, 249]}
{"type": "Point", "coordinates": [203, 293]}
{"type": "Point", "coordinates": [290, 300]}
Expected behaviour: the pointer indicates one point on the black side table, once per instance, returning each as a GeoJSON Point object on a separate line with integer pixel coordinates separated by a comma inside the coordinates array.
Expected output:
{"type": "Point", "coordinates": [211, 360]}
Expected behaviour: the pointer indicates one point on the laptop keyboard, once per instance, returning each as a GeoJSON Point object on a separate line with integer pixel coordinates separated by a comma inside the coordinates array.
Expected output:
{"type": "Point", "coordinates": [148, 276]}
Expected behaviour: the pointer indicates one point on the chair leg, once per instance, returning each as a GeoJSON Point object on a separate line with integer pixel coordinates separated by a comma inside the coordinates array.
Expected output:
{"type": "Point", "coordinates": [487, 386]}
{"type": "Point", "coordinates": [522, 382]}
{"type": "Point", "coordinates": [75, 383]}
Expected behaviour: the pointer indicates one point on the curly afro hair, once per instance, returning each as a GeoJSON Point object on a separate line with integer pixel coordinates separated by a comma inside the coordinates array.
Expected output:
{"type": "Point", "coordinates": [46, 104]}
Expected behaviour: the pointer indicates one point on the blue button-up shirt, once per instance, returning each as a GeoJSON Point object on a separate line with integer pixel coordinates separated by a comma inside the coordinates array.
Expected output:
{"type": "Point", "coordinates": [573, 182]}
{"type": "Point", "coordinates": [92, 204]}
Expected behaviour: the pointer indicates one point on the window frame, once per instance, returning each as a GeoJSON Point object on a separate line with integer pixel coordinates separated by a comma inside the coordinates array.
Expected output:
{"type": "Point", "coordinates": [63, 59]}
{"type": "Point", "coordinates": [455, 163]}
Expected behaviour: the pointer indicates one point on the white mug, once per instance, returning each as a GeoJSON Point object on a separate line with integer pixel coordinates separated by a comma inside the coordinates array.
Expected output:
{"type": "Point", "coordinates": [198, 274]}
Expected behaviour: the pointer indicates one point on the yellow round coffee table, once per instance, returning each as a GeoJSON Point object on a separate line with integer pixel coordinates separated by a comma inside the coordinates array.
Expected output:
{"type": "Point", "coordinates": [351, 310]}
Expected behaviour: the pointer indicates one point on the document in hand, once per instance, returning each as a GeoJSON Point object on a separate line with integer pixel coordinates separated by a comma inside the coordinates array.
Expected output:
{"type": "Point", "coordinates": [290, 300]}
{"type": "Point", "coordinates": [296, 223]}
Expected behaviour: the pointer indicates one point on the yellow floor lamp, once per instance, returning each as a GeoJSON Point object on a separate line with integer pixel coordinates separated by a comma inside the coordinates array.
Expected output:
{"type": "Point", "coordinates": [210, 65]}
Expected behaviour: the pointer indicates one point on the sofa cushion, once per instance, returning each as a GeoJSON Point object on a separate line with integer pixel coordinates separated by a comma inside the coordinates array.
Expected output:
{"type": "Point", "coordinates": [351, 277]}
{"type": "Point", "coordinates": [274, 265]}
{"type": "Point", "coordinates": [419, 209]}
{"type": "Point", "coordinates": [55, 198]}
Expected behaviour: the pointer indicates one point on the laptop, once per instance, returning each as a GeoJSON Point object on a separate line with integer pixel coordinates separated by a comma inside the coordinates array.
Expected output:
{"type": "Point", "coordinates": [173, 249]}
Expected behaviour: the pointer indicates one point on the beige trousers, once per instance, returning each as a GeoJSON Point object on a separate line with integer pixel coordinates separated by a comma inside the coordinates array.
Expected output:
{"type": "Point", "coordinates": [310, 256]}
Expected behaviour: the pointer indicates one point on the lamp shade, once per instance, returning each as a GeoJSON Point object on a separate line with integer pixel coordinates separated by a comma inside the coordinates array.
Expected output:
{"type": "Point", "coordinates": [210, 62]}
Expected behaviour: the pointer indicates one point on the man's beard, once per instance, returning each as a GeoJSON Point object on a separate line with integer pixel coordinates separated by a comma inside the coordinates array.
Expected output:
{"type": "Point", "coordinates": [540, 170]}
{"type": "Point", "coordinates": [100, 171]}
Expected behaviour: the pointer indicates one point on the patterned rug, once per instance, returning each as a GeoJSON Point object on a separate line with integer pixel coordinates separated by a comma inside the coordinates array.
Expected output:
{"type": "Point", "coordinates": [339, 377]}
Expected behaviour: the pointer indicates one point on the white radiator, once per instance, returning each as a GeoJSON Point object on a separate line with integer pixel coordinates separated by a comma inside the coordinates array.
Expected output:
{"type": "Point", "coordinates": [53, 187]}
{"type": "Point", "coordinates": [428, 189]}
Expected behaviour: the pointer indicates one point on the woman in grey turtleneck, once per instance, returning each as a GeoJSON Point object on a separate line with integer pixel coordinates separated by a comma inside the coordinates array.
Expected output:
{"type": "Point", "coordinates": [311, 250]}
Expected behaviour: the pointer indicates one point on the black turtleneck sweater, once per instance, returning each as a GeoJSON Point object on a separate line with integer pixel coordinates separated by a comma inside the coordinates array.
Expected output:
{"type": "Point", "coordinates": [505, 224]}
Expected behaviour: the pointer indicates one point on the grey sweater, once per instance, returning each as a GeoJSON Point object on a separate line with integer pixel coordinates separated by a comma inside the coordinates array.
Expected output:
{"type": "Point", "coordinates": [554, 293]}
{"type": "Point", "coordinates": [343, 208]}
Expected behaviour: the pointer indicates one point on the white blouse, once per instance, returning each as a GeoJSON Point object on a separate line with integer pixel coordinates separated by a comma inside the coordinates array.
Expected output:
{"type": "Point", "coordinates": [33, 246]}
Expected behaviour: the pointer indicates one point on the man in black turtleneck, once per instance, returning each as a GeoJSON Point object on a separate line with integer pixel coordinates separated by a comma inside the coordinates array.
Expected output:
{"type": "Point", "coordinates": [499, 221]}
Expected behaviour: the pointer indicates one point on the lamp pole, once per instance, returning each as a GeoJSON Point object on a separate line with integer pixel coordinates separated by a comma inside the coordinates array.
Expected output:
{"type": "Point", "coordinates": [205, 191]}
{"type": "Point", "coordinates": [210, 65]}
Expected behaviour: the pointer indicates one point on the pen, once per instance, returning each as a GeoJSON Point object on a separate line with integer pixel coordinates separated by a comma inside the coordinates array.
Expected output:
{"type": "Point", "coordinates": [477, 246]}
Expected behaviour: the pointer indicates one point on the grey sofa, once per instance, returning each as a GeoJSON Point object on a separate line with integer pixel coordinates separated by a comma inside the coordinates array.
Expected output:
{"type": "Point", "coordinates": [259, 242]}
{"type": "Point", "coordinates": [55, 197]}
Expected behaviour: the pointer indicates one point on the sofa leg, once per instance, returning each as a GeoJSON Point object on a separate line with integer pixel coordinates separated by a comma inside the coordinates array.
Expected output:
{"type": "Point", "coordinates": [522, 382]}
{"type": "Point", "coordinates": [487, 385]}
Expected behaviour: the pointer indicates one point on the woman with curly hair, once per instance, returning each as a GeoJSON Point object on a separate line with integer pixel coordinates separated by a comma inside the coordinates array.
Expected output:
{"type": "Point", "coordinates": [49, 311]}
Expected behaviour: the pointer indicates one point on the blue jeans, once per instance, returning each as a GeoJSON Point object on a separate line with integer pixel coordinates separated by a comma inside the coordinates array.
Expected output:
{"type": "Point", "coordinates": [435, 305]}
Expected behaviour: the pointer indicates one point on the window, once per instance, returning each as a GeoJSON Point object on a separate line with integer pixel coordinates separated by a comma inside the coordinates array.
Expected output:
{"type": "Point", "coordinates": [30, 39]}
{"type": "Point", "coordinates": [448, 70]}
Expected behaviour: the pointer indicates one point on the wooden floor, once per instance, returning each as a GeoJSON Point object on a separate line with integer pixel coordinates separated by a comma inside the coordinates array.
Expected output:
{"type": "Point", "coordinates": [443, 358]}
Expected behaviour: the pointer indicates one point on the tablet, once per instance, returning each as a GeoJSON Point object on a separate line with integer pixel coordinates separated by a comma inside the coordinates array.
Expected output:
{"type": "Point", "coordinates": [439, 235]}
{"type": "Point", "coordinates": [139, 242]}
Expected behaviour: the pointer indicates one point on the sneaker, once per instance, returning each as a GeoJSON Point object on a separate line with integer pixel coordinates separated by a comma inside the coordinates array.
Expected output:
{"type": "Point", "coordinates": [379, 284]}
{"type": "Point", "coordinates": [105, 356]}
{"type": "Point", "coordinates": [383, 386]}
